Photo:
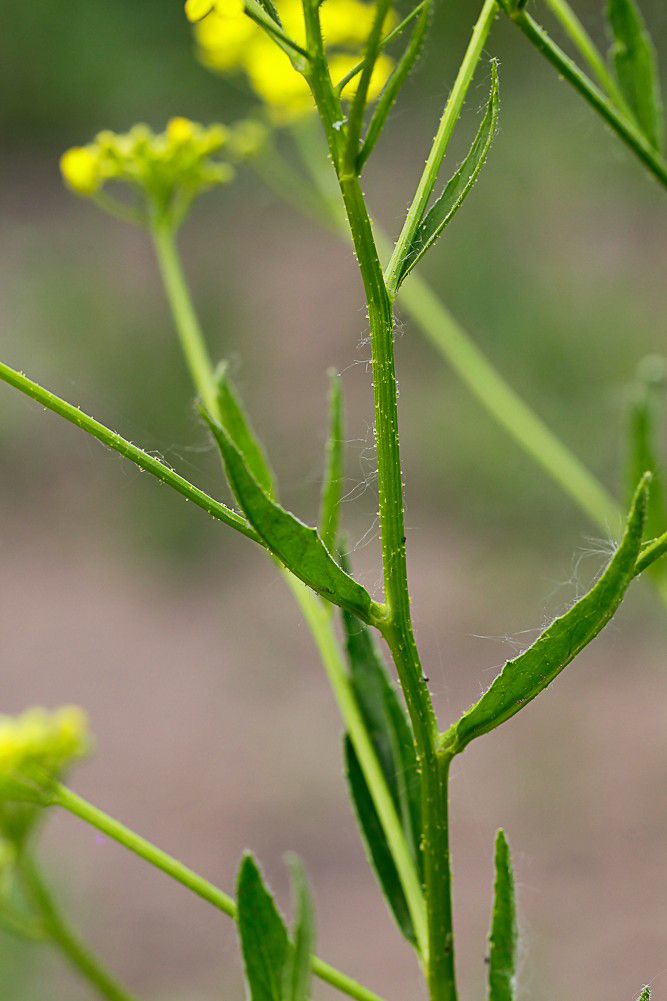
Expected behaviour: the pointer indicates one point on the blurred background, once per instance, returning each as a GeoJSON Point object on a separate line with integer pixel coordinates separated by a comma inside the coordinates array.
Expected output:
{"type": "Point", "coordinates": [214, 727]}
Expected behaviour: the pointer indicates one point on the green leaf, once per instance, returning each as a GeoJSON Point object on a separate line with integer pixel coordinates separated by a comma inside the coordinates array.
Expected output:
{"type": "Point", "coordinates": [297, 970]}
{"type": "Point", "coordinates": [503, 938]}
{"type": "Point", "coordinates": [296, 545]}
{"type": "Point", "coordinates": [444, 209]}
{"type": "Point", "coordinates": [333, 475]}
{"type": "Point", "coordinates": [391, 737]}
{"type": "Point", "coordinates": [644, 425]}
{"type": "Point", "coordinates": [522, 679]}
{"type": "Point", "coordinates": [392, 87]}
{"type": "Point", "coordinates": [636, 68]}
{"type": "Point", "coordinates": [264, 942]}
{"type": "Point", "coordinates": [645, 994]}
{"type": "Point", "coordinates": [237, 425]}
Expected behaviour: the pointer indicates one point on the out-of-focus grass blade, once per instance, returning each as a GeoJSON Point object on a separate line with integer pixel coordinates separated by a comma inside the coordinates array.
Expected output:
{"type": "Point", "coordinates": [297, 970]}
{"type": "Point", "coordinates": [522, 679]}
{"type": "Point", "coordinates": [264, 942]}
{"type": "Point", "coordinates": [503, 937]}
{"type": "Point", "coordinates": [444, 209]}
{"type": "Point", "coordinates": [636, 68]}
{"type": "Point", "coordinates": [392, 87]}
{"type": "Point", "coordinates": [644, 425]}
{"type": "Point", "coordinates": [296, 545]}
{"type": "Point", "coordinates": [333, 473]}
{"type": "Point", "coordinates": [392, 740]}
{"type": "Point", "coordinates": [236, 423]}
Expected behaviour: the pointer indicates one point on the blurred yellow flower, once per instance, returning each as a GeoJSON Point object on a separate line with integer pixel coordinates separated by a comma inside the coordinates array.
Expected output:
{"type": "Point", "coordinates": [228, 41]}
{"type": "Point", "coordinates": [80, 169]}
{"type": "Point", "coordinates": [50, 740]}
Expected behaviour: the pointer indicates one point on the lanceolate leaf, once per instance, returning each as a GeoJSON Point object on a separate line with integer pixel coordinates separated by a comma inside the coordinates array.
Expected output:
{"type": "Point", "coordinates": [391, 736]}
{"type": "Point", "coordinates": [333, 474]}
{"type": "Point", "coordinates": [636, 68]}
{"type": "Point", "coordinates": [522, 679]}
{"type": "Point", "coordinates": [264, 942]}
{"type": "Point", "coordinates": [237, 425]}
{"type": "Point", "coordinates": [295, 544]}
{"type": "Point", "coordinates": [443, 210]}
{"type": "Point", "coordinates": [297, 970]}
{"type": "Point", "coordinates": [503, 937]}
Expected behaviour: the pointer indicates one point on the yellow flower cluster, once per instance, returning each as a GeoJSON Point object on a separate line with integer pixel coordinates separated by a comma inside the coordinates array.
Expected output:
{"type": "Point", "coordinates": [50, 740]}
{"type": "Point", "coordinates": [228, 41]}
{"type": "Point", "coordinates": [169, 167]}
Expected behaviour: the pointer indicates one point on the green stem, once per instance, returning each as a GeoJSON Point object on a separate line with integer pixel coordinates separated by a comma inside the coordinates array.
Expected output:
{"type": "Point", "coordinates": [580, 38]}
{"type": "Point", "coordinates": [127, 449]}
{"type": "Point", "coordinates": [81, 808]}
{"type": "Point", "coordinates": [397, 628]}
{"type": "Point", "coordinates": [59, 932]}
{"type": "Point", "coordinates": [192, 342]}
{"type": "Point", "coordinates": [621, 125]}
{"type": "Point", "coordinates": [358, 108]}
{"type": "Point", "coordinates": [449, 119]}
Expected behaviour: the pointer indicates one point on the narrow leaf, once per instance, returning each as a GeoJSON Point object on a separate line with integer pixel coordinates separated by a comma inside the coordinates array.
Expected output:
{"type": "Point", "coordinates": [333, 474]}
{"type": "Point", "coordinates": [296, 545]}
{"type": "Point", "coordinates": [376, 844]}
{"type": "Point", "coordinates": [393, 86]}
{"type": "Point", "coordinates": [237, 425]}
{"type": "Point", "coordinates": [444, 209]}
{"type": "Point", "coordinates": [503, 938]}
{"type": "Point", "coordinates": [297, 978]}
{"type": "Point", "coordinates": [645, 994]}
{"type": "Point", "coordinates": [522, 679]}
{"type": "Point", "coordinates": [392, 741]}
{"type": "Point", "coordinates": [644, 425]}
{"type": "Point", "coordinates": [264, 942]}
{"type": "Point", "coordinates": [636, 68]}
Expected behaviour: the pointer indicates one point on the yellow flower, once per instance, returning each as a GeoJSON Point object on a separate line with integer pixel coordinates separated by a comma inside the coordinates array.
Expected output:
{"type": "Point", "coordinates": [228, 41]}
{"type": "Point", "coordinates": [48, 739]}
{"type": "Point", "coordinates": [81, 170]}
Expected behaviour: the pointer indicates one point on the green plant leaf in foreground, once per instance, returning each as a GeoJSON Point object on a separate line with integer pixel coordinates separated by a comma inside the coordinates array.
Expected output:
{"type": "Point", "coordinates": [235, 421]}
{"type": "Point", "coordinates": [264, 942]}
{"type": "Point", "coordinates": [297, 971]}
{"type": "Point", "coordinates": [391, 736]}
{"type": "Point", "coordinates": [296, 545]}
{"type": "Point", "coordinates": [444, 209]}
{"type": "Point", "coordinates": [645, 994]}
{"type": "Point", "coordinates": [503, 937]}
{"type": "Point", "coordinates": [636, 68]}
{"type": "Point", "coordinates": [333, 473]}
{"type": "Point", "coordinates": [522, 679]}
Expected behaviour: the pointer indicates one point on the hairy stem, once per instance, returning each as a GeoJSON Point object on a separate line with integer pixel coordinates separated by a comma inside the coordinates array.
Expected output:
{"type": "Point", "coordinates": [81, 808]}
{"type": "Point", "coordinates": [59, 932]}
{"type": "Point", "coordinates": [582, 41]}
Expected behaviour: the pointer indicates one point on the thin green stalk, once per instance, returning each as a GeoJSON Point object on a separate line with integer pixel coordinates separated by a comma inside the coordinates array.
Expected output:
{"type": "Point", "coordinates": [319, 622]}
{"type": "Point", "coordinates": [320, 625]}
{"type": "Point", "coordinates": [397, 629]}
{"type": "Point", "coordinates": [81, 808]}
{"type": "Point", "coordinates": [449, 119]}
{"type": "Point", "coordinates": [621, 125]}
{"type": "Point", "coordinates": [384, 42]}
{"type": "Point", "coordinates": [358, 107]}
{"type": "Point", "coordinates": [127, 449]}
{"type": "Point", "coordinates": [193, 344]}
{"type": "Point", "coordinates": [59, 932]}
{"type": "Point", "coordinates": [583, 42]}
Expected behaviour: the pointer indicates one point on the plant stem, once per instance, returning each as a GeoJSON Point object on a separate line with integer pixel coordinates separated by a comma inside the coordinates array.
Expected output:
{"type": "Point", "coordinates": [619, 122]}
{"type": "Point", "coordinates": [397, 628]}
{"type": "Point", "coordinates": [128, 450]}
{"type": "Point", "coordinates": [580, 38]}
{"type": "Point", "coordinates": [192, 342]}
{"type": "Point", "coordinates": [449, 119]}
{"type": "Point", "coordinates": [81, 808]}
{"type": "Point", "coordinates": [59, 932]}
